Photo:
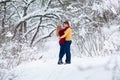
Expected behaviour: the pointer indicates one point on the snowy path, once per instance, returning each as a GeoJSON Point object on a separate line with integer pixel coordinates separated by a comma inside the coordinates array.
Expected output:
{"type": "Point", "coordinates": [80, 69]}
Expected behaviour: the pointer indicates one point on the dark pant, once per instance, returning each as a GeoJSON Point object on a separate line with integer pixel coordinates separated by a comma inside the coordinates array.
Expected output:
{"type": "Point", "coordinates": [62, 51]}
{"type": "Point", "coordinates": [67, 51]}
{"type": "Point", "coordinates": [65, 48]}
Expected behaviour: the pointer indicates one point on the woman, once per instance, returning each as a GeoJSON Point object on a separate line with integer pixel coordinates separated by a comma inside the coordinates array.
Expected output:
{"type": "Point", "coordinates": [59, 33]}
{"type": "Point", "coordinates": [68, 40]}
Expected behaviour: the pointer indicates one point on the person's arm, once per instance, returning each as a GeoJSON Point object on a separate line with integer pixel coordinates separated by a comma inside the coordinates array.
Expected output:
{"type": "Point", "coordinates": [66, 33]}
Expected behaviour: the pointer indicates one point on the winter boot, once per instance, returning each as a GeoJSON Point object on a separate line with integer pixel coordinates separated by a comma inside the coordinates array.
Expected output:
{"type": "Point", "coordinates": [67, 62]}
{"type": "Point", "coordinates": [60, 62]}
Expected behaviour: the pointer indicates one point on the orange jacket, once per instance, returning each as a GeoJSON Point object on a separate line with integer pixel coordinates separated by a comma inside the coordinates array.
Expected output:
{"type": "Point", "coordinates": [67, 35]}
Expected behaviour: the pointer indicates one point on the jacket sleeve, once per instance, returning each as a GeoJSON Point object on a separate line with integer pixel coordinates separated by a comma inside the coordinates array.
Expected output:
{"type": "Point", "coordinates": [66, 33]}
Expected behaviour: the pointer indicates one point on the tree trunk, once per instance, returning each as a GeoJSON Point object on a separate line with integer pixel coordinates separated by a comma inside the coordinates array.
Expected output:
{"type": "Point", "coordinates": [3, 24]}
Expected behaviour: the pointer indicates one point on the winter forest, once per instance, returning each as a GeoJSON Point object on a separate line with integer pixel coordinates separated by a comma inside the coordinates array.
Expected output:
{"type": "Point", "coordinates": [29, 47]}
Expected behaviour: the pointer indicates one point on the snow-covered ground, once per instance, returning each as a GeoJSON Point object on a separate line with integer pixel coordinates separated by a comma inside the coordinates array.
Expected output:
{"type": "Point", "coordinates": [96, 68]}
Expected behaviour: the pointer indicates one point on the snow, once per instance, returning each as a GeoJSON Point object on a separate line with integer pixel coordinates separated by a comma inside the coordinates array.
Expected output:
{"type": "Point", "coordinates": [107, 5]}
{"type": "Point", "coordinates": [41, 12]}
{"type": "Point", "coordinates": [81, 68]}
{"type": "Point", "coordinates": [111, 37]}
{"type": "Point", "coordinates": [2, 0]}
{"type": "Point", "coordinates": [38, 63]}
{"type": "Point", "coordinates": [9, 34]}
{"type": "Point", "coordinates": [41, 37]}
{"type": "Point", "coordinates": [85, 68]}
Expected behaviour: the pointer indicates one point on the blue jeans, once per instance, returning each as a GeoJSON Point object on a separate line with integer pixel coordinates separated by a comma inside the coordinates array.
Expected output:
{"type": "Point", "coordinates": [67, 51]}
{"type": "Point", "coordinates": [65, 48]}
{"type": "Point", "coordinates": [62, 51]}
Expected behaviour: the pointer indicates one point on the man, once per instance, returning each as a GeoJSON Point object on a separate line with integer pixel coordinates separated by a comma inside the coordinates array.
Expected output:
{"type": "Point", "coordinates": [68, 40]}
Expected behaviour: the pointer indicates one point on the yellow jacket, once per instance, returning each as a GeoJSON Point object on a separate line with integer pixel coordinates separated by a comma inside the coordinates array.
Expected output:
{"type": "Point", "coordinates": [67, 35]}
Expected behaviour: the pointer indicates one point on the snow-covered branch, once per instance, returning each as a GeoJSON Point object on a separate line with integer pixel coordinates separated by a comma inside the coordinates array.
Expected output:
{"type": "Point", "coordinates": [39, 13]}
{"type": "Point", "coordinates": [44, 37]}
{"type": "Point", "coordinates": [4, 1]}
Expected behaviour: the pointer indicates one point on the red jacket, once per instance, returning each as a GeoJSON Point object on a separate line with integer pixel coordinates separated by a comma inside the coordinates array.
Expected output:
{"type": "Point", "coordinates": [60, 33]}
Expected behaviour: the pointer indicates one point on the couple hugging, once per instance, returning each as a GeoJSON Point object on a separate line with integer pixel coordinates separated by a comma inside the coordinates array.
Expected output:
{"type": "Point", "coordinates": [65, 35]}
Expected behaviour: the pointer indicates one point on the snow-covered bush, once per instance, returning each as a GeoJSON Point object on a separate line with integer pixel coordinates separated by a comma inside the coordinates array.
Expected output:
{"type": "Point", "coordinates": [13, 54]}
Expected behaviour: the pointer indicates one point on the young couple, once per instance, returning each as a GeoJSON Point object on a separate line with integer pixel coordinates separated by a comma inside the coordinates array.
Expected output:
{"type": "Point", "coordinates": [65, 35]}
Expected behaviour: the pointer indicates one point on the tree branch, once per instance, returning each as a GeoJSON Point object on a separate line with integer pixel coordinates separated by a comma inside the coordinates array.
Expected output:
{"type": "Point", "coordinates": [48, 5]}
{"type": "Point", "coordinates": [45, 37]}
{"type": "Point", "coordinates": [22, 21]}
{"type": "Point", "coordinates": [2, 2]}
{"type": "Point", "coordinates": [50, 15]}
{"type": "Point", "coordinates": [60, 2]}
{"type": "Point", "coordinates": [36, 32]}
{"type": "Point", "coordinates": [16, 9]}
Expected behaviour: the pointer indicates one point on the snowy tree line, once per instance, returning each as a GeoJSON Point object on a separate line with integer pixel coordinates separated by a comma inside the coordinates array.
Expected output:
{"type": "Point", "coordinates": [25, 24]}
